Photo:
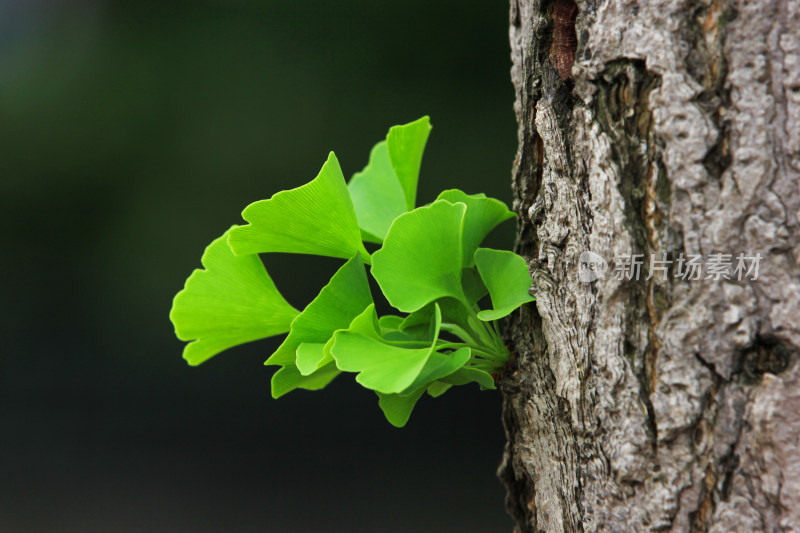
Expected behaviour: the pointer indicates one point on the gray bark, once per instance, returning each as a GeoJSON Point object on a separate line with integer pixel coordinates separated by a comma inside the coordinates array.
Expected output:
{"type": "Point", "coordinates": [663, 404]}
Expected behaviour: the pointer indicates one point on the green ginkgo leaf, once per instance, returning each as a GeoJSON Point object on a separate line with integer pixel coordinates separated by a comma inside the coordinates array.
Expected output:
{"type": "Point", "coordinates": [378, 197]}
{"type": "Point", "coordinates": [483, 215]}
{"type": "Point", "coordinates": [394, 332]}
{"type": "Point", "coordinates": [437, 388]}
{"type": "Point", "coordinates": [406, 145]}
{"type": "Point", "coordinates": [439, 365]}
{"type": "Point", "coordinates": [311, 357]}
{"type": "Point", "coordinates": [231, 302]}
{"type": "Point", "coordinates": [465, 375]}
{"type": "Point", "coordinates": [415, 266]}
{"type": "Point", "coordinates": [317, 218]}
{"type": "Point", "coordinates": [366, 324]}
{"type": "Point", "coordinates": [506, 276]}
{"type": "Point", "coordinates": [462, 376]}
{"type": "Point", "coordinates": [397, 408]}
{"type": "Point", "coordinates": [289, 378]}
{"type": "Point", "coordinates": [344, 297]}
{"type": "Point", "coordinates": [381, 367]}
{"type": "Point", "coordinates": [455, 319]}
{"type": "Point", "coordinates": [390, 323]}
{"type": "Point", "coordinates": [423, 318]}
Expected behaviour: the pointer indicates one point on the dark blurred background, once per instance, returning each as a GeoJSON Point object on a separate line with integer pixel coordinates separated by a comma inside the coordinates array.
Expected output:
{"type": "Point", "coordinates": [132, 133]}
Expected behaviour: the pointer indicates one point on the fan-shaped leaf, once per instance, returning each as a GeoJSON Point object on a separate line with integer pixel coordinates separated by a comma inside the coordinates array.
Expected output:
{"type": "Point", "coordinates": [455, 319]}
{"type": "Point", "coordinates": [462, 376]}
{"type": "Point", "coordinates": [289, 378]}
{"type": "Point", "coordinates": [416, 264]}
{"type": "Point", "coordinates": [465, 375]}
{"type": "Point", "coordinates": [406, 144]}
{"type": "Point", "coordinates": [390, 323]}
{"type": "Point", "coordinates": [394, 332]}
{"type": "Point", "coordinates": [378, 197]}
{"type": "Point", "coordinates": [483, 215]}
{"type": "Point", "coordinates": [366, 324]}
{"type": "Point", "coordinates": [437, 388]}
{"type": "Point", "coordinates": [381, 367]}
{"type": "Point", "coordinates": [506, 276]}
{"type": "Point", "coordinates": [311, 357]}
{"type": "Point", "coordinates": [397, 408]}
{"type": "Point", "coordinates": [439, 365]}
{"type": "Point", "coordinates": [317, 218]}
{"type": "Point", "coordinates": [231, 302]}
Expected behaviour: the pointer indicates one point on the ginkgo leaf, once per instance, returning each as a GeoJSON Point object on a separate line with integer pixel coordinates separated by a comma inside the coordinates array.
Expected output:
{"type": "Point", "coordinates": [317, 218]}
{"type": "Point", "coordinates": [289, 378]}
{"type": "Point", "coordinates": [344, 297]}
{"type": "Point", "coordinates": [406, 145]}
{"type": "Point", "coordinates": [462, 376]}
{"type": "Point", "coordinates": [483, 215]}
{"type": "Point", "coordinates": [416, 264]}
{"type": "Point", "coordinates": [390, 323]}
{"type": "Point", "coordinates": [397, 408]}
{"type": "Point", "coordinates": [232, 301]}
{"type": "Point", "coordinates": [437, 388]}
{"type": "Point", "coordinates": [378, 197]}
{"type": "Point", "coordinates": [455, 319]}
{"type": "Point", "coordinates": [465, 375]}
{"type": "Point", "coordinates": [438, 366]}
{"type": "Point", "coordinates": [392, 330]}
{"type": "Point", "coordinates": [381, 367]}
{"type": "Point", "coordinates": [506, 276]}
{"type": "Point", "coordinates": [366, 324]}
{"type": "Point", "coordinates": [311, 357]}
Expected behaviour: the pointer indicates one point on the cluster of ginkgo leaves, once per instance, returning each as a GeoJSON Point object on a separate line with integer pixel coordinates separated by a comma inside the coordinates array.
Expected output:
{"type": "Point", "coordinates": [429, 266]}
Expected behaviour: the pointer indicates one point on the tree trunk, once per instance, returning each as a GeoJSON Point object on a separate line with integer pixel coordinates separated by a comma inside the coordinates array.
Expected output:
{"type": "Point", "coordinates": [669, 403]}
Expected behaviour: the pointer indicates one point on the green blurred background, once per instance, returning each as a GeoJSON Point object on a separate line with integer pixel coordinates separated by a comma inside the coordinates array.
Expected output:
{"type": "Point", "coordinates": [132, 133]}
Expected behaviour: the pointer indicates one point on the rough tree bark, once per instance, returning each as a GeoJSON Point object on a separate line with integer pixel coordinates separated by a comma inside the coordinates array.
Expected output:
{"type": "Point", "coordinates": [660, 404]}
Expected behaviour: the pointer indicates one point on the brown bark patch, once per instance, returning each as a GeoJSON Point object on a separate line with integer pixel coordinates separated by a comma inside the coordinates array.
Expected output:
{"type": "Point", "coordinates": [565, 40]}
